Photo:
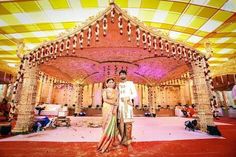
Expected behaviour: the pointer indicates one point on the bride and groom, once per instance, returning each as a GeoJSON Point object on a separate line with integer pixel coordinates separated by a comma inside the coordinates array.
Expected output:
{"type": "Point", "coordinates": [117, 113]}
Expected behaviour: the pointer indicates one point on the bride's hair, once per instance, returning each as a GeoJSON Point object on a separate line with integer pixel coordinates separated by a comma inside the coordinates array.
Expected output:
{"type": "Point", "coordinates": [109, 79]}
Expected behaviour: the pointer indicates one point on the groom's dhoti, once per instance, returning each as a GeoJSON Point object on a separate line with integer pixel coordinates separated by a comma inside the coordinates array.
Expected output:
{"type": "Point", "coordinates": [125, 119]}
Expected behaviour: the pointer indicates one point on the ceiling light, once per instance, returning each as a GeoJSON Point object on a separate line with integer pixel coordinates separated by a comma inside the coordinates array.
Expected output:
{"type": "Point", "coordinates": [11, 65]}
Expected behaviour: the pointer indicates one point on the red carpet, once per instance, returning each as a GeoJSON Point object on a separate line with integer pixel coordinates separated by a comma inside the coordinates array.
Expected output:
{"type": "Point", "coordinates": [186, 148]}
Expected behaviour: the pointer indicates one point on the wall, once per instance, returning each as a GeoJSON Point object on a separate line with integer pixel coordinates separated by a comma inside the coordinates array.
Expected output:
{"type": "Point", "coordinates": [92, 95]}
{"type": "Point", "coordinates": [165, 95]}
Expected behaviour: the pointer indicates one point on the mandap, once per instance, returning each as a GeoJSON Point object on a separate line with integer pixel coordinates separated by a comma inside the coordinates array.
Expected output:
{"type": "Point", "coordinates": [84, 57]}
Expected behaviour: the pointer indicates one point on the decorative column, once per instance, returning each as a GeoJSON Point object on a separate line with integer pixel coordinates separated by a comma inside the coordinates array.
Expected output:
{"type": "Point", "coordinates": [15, 94]}
{"type": "Point", "coordinates": [141, 96]}
{"type": "Point", "coordinates": [182, 94]}
{"type": "Point", "coordinates": [187, 91]}
{"type": "Point", "coordinates": [50, 90]}
{"type": "Point", "coordinates": [145, 95]}
{"type": "Point", "coordinates": [79, 103]}
{"type": "Point", "coordinates": [150, 98]}
{"type": "Point", "coordinates": [45, 88]}
{"type": "Point", "coordinates": [155, 97]}
{"type": "Point", "coordinates": [75, 96]}
{"type": "Point", "coordinates": [27, 101]}
{"type": "Point", "coordinates": [201, 96]}
{"type": "Point", "coordinates": [93, 95]}
{"type": "Point", "coordinates": [39, 90]}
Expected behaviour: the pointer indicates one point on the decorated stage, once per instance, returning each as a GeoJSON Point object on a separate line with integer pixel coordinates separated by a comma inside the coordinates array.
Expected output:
{"type": "Point", "coordinates": [145, 129]}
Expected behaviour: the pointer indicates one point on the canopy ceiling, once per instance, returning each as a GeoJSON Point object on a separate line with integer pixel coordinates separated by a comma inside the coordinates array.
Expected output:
{"type": "Point", "coordinates": [191, 21]}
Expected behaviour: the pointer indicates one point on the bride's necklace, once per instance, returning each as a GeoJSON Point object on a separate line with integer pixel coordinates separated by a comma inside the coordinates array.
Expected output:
{"type": "Point", "coordinates": [111, 89]}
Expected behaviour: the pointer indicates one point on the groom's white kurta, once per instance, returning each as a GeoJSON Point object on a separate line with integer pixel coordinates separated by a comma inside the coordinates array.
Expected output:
{"type": "Point", "coordinates": [126, 90]}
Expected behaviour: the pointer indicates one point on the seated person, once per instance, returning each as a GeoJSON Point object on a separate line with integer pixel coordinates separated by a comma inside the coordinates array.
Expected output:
{"type": "Point", "coordinates": [215, 112]}
{"type": "Point", "coordinates": [5, 108]}
{"type": "Point", "coordinates": [178, 110]}
{"type": "Point", "coordinates": [191, 111]}
{"type": "Point", "coordinates": [153, 112]}
{"type": "Point", "coordinates": [40, 107]}
{"type": "Point", "coordinates": [63, 112]}
{"type": "Point", "coordinates": [184, 110]}
{"type": "Point", "coordinates": [41, 124]}
{"type": "Point", "coordinates": [220, 111]}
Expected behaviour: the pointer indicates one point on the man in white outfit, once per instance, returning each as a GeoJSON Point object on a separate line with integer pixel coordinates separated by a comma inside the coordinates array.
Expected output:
{"type": "Point", "coordinates": [127, 93]}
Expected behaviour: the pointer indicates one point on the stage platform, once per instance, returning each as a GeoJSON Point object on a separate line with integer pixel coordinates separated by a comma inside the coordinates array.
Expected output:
{"type": "Point", "coordinates": [144, 129]}
{"type": "Point", "coordinates": [137, 112]}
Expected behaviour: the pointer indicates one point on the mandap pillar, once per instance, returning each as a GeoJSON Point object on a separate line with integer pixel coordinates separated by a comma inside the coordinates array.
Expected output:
{"type": "Point", "coordinates": [151, 99]}
{"type": "Point", "coordinates": [50, 91]}
{"type": "Point", "coordinates": [79, 101]}
{"type": "Point", "coordinates": [201, 95]}
{"type": "Point", "coordinates": [39, 90]}
{"type": "Point", "coordinates": [27, 101]}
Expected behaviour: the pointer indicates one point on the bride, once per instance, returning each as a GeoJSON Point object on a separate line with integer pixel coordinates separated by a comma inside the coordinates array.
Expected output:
{"type": "Point", "coordinates": [109, 114]}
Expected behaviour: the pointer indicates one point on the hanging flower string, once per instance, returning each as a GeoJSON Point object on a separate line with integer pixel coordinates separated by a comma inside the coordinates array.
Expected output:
{"type": "Point", "coordinates": [120, 23]}
{"type": "Point", "coordinates": [155, 44]}
{"type": "Point", "coordinates": [161, 45]}
{"type": "Point", "coordinates": [89, 35]}
{"type": "Point", "coordinates": [137, 35]}
{"type": "Point", "coordinates": [179, 51]}
{"type": "Point", "coordinates": [67, 46]}
{"type": "Point", "coordinates": [55, 50]}
{"type": "Point", "coordinates": [105, 25]}
{"type": "Point", "coordinates": [30, 59]}
{"type": "Point", "coordinates": [129, 30]}
{"type": "Point", "coordinates": [149, 42]}
{"type": "Point", "coordinates": [184, 53]}
{"type": "Point", "coordinates": [173, 50]}
{"type": "Point", "coordinates": [167, 47]}
{"type": "Point", "coordinates": [144, 37]}
{"type": "Point", "coordinates": [33, 58]}
{"type": "Point", "coordinates": [41, 55]}
{"type": "Point", "coordinates": [61, 47]}
{"type": "Point", "coordinates": [97, 30]}
{"type": "Point", "coordinates": [74, 43]}
{"type": "Point", "coordinates": [51, 50]}
{"type": "Point", "coordinates": [189, 55]}
{"type": "Point", "coordinates": [112, 13]}
{"type": "Point", "coordinates": [46, 52]}
{"type": "Point", "coordinates": [81, 38]}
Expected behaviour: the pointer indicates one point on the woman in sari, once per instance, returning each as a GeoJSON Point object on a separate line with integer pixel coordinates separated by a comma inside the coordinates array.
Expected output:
{"type": "Point", "coordinates": [109, 113]}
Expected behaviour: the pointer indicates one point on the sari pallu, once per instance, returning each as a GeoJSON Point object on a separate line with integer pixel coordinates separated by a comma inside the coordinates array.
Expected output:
{"type": "Point", "coordinates": [109, 126]}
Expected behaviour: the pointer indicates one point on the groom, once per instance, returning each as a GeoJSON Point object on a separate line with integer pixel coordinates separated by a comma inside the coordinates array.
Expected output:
{"type": "Point", "coordinates": [127, 93]}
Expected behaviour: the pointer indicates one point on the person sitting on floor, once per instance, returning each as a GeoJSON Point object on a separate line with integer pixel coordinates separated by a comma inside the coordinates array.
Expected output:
{"type": "Point", "coordinates": [41, 124]}
{"type": "Point", "coordinates": [153, 112]}
{"type": "Point", "coordinates": [40, 107]}
{"type": "Point", "coordinates": [215, 112]}
{"type": "Point", "coordinates": [184, 110]}
{"type": "Point", "coordinates": [191, 111]}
